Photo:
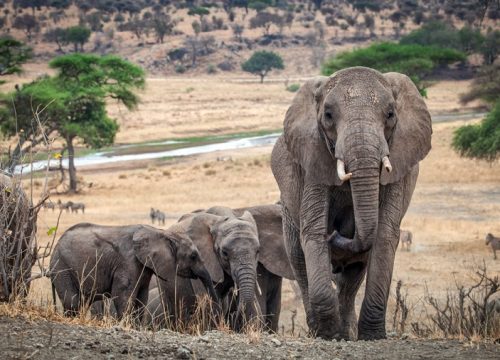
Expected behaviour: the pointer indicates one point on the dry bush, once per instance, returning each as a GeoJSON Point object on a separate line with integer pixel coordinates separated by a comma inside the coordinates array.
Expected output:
{"type": "Point", "coordinates": [401, 311]}
{"type": "Point", "coordinates": [465, 312]}
{"type": "Point", "coordinates": [19, 250]}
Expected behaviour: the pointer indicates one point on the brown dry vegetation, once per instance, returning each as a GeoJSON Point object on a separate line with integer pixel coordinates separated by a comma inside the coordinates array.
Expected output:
{"type": "Point", "coordinates": [457, 201]}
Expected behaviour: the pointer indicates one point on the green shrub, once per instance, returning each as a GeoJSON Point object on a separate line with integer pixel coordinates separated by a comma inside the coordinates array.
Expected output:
{"type": "Point", "coordinates": [211, 69]}
{"type": "Point", "coordinates": [293, 87]}
{"type": "Point", "coordinates": [180, 69]}
{"type": "Point", "coordinates": [480, 141]}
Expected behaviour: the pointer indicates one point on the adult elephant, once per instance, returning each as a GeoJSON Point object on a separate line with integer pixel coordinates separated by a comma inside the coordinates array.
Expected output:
{"type": "Point", "coordinates": [273, 264]}
{"type": "Point", "coordinates": [346, 166]}
{"type": "Point", "coordinates": [17, 239]}
{"type": "Point", "coordinates": [91, 262]}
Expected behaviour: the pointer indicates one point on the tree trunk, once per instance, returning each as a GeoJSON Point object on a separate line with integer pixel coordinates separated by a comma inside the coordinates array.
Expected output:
{"type": "Point", "coordinates": [15, 157]}
{"type": "Point", "coordinates": [262, 78]}
{"type": "Point", "coordinates": [71, 165]}
{"type": "Point", "coordinates": [76, 46]}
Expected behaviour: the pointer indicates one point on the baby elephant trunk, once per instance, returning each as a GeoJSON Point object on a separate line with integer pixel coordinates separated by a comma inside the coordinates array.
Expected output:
{"type": "Point", "coordinates": [247, 308]}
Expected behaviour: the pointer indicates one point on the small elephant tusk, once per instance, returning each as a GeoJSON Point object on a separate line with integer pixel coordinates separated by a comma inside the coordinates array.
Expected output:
{"type": "Point", "coordinates": [341, 171]}
{"type": "Point", "coordinates": [387, 163]}
{"type": "Point", "coordinates": [259, 291]}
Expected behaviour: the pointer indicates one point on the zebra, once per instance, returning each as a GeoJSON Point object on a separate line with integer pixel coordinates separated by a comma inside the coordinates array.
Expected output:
{"type": "Point", "coordinates": [77, 206]}
{"type": "Point", "coordinates": [160, 216]}
{"type": "Point", "coordinates": [494, 242]}
{"type": "Point", "coordinates": [406, 239]}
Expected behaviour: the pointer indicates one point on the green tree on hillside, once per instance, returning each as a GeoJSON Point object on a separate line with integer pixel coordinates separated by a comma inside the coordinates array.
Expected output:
{"type": "Point", "coordinates": [261, 62]}
{"type": "Point", "coordinates": [13, 54]}
{"type": "Point", "coordinates": [26, 23]}
{"type": "Point", "coordinates": [73, 103]}
{"type": "Point", "coordinates": [416, 61]}
{"type": "Point", "coordinates": [77, 35]}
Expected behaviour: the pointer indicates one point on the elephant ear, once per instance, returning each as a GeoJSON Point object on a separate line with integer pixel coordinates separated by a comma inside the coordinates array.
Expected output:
{"type": "Point", "coordinates": [272, 252]}
{"type": "Point", "coordinates": [302, 134]}
{"type": "Point", "coordinates": [153, 248]}
{"type": "Point", "coordinates": [199, 230]}
{"type": "Point", "coordinates": [411, 140]}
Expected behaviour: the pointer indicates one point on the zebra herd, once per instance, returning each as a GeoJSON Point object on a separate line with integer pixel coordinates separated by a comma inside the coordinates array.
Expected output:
{"type": "Point", "coordinates": [74, 207]}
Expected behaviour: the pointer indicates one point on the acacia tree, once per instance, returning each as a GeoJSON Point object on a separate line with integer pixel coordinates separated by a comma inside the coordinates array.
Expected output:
{"type": "Point", "coordinates": [27, 23]}
{"type": "Point", "coordinates": [77, 35]}
{"type": "Point", "coordinates": [13, 54]}
{"type": "Point", "coordinates": [74, 102]}
{"type": "Point", "coordinates": [261, 62]}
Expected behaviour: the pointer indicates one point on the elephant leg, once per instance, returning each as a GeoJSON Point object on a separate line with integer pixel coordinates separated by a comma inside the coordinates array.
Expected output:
{"type": "Point", "coordinates": [140, 302]}
{"type": "Point", "coordinates": [313, 230]}
{"type": "Point", "coordinates": [298, 263]}
{"type": "Point", "coordinates": [66, 289]}
{"type": "Point", "coordinates": [274, 302]}
{"type": "Point", "coordinates": [395, 199]}
{"type": "Point", "coordinates": [348, 283]}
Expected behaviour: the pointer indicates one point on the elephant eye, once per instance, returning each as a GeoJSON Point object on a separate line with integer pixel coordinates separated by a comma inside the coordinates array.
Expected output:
{"type": "Point", "coordinates": [390, 114]}
{"type": "Point", "coordinates": [224, 253]}
{"type": "Point", "coordinates": [328, 116]}
{"type": "Point", "coordinates": [194, 255]}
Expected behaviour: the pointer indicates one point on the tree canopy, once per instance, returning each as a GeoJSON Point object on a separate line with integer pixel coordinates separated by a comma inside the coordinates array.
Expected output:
{"type": "Point", "coordinates": [261, 62]}
{"type": "Point", "coordinates": [77, 35]}
{"type": "Point", "coordinates": [416, 61]}
{"type": "Point", "coordinates": [480, 141]}
{"type": "Point", "coordinates": [13, 54]}
{"type": "Point", "coordinates": [73, 103]}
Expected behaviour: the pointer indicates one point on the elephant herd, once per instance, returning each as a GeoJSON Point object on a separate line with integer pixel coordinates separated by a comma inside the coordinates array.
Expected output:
{"type": "Point", "coordinates": [346, 166]}
{"type": "Point", "coordinates": [237, 257]}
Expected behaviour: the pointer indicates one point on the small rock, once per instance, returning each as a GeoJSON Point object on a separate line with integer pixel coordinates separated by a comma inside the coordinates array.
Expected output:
{"type": "Point", "coordinates": [183, 353]}
{"type": "Point", "coordinates": [405, 336]}
{"type": "Point", "coordinates": [276, 342]}
{"type": "Point", "coordinates": [39, 346]}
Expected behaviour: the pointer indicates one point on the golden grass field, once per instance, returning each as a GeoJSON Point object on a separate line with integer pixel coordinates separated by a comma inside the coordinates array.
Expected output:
{"type": "Point", "coordinates": [456, 202]}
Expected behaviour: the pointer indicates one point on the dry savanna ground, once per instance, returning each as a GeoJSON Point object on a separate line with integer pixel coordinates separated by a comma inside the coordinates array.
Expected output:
{"type": "Point", "coordinates": [457, 201]}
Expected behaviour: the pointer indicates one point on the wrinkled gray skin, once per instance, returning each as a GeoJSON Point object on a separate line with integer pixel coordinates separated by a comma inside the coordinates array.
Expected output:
{"type": "Point", "coordinates": [91, 262]}
{"type": "Point", "coordinates": [273, 264]}
{"type": "Point", "coordinates": [229, 247]}
{"type": "Point", "coordinates": [357, 115]}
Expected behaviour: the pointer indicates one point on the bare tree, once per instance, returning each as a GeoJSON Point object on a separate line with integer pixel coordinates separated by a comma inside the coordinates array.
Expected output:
{"type": "Point", "coordinates": [265, 20]}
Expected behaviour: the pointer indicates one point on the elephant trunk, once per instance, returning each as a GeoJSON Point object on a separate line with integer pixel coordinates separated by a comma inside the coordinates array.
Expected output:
{"type": "Point", "coordinates": [364, 153]}
{"type": "Point", "coordinates": [246, 278]}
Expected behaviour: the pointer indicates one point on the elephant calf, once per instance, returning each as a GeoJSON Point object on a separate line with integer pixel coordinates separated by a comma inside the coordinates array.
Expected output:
{"type": "Point", "coordinates": [91, 262]}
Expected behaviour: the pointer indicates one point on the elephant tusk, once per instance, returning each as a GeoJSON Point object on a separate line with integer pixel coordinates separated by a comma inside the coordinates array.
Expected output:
{"type": "Point", "coordinates": [259, 291]}
{"type": "Point", "coordinates": [341, 171]}
{"type": "Point", "coordinates": [387, 163]}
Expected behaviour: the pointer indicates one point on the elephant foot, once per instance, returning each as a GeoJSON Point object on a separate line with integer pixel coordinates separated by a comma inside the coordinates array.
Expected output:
{"type": "Point", "coordinates": [370, 336]}
{"type": "Point", "coordinates": [372, 333]}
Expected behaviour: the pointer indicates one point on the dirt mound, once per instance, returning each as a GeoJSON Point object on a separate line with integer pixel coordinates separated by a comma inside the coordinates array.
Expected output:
{"type": "Point", "coordinates": [49, 340]}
